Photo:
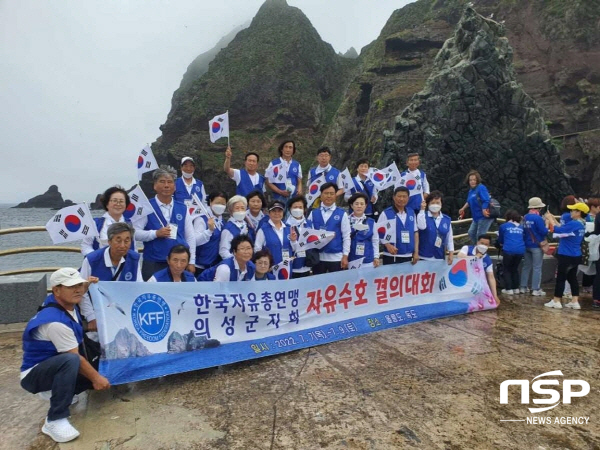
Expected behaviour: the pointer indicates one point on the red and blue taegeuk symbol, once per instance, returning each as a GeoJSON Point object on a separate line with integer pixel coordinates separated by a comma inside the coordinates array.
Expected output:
{"type": "Point", "coordinates": [458, 274]}
{"type": "Point", "coordinates": [216, 127]}
{"type": "Point", "coordinates": [411, 184]}
{"type": "Point", "coordinates": [129, 211]}
{"type": "Point", "coordinates": [72, 223]}
{"type": "Point", "coordinates": [312, 238]}
{"type": "Point", "coordinates": [314, 189]}
{"type": "Point", "coordinates": [381, 231]}
{"type": "Point", "coordinates": [378, 176]}
{"type": "Point", "coordinates": [140, 161]}
{"type": "Point", "coordinates": [283, 274]}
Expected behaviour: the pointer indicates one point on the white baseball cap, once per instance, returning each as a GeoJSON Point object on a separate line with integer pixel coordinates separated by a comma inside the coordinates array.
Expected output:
{"type": "Point", "coordinates": [187, 158]}
{"type": "Point", "coordinates": [67, 276]}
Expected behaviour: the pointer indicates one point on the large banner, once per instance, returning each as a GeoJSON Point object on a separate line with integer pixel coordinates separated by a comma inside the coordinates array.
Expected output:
{"type": "Point", "coordinates": [152, 329]}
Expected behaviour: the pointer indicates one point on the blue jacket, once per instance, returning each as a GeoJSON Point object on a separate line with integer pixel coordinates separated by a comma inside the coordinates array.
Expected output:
{"type": "Point", "coordinates": [158, 249]}
{"type": "Point", "coordinates": [511, 237]}
{"type": "Point", "coordinates": [478, 199]}
{"type": "Point", "coordinates": [292, 175]}
{"type": "Point", "coordinates": [273, 243]}
{"type": "Point", "coordinates": [209, 274]}
{"type": "Point", "coordinates": [99, 269]}
{"type": "Point", "coordinates": [533, 224]}
{"type": "Point", "coordinates": [99, 224]}
{"type": "Point", "coordinates": [164, 275]}
{"type": "Point", "coordinates": [570, 245]}
{"type": "Point", "coordinates": [181, 193]}
{"type": "Point", "coordinates": [364, 238]}
{"type": "Point", "coordinates": [207, 254]}
{"type": "Point", "coordinates": [336, 245]}
{"type": "Point", "coordinates": [409, 247]}
{"type": "Point", "coordinates": [428, 236]}
{"type": "Point", "coordinates": [246, 186]}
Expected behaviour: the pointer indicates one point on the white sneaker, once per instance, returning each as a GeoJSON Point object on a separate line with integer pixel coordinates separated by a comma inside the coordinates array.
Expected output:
{"type": "Point", "coordinates": [47, 395]}
{"type": "Point", "coordinates": [508, 291]}
{"type": "Point", "coordinates": [524, 290]}
{"type": "Point", "coordinates": [573, 305]}
{"type": "Point", "coordinates": [60, 430]}
{"type": "Point", "coordinates": [553, 304]}
{"type": "Point", "coordinates": [538, 293]}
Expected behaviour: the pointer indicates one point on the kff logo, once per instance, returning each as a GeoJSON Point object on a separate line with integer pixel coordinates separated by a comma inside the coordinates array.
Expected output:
{"type": "Point", "coordinates": [151, 317]}
{"type": "Point", "coordinates": [567, 392]}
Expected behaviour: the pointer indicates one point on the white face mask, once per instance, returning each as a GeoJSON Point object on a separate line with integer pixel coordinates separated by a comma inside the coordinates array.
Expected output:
{"type": "Point", "coordinates": [297, 213]}
{"type": "Point", "coordinates": [218, 209]}
{"type": "Point", "coordinates": [239, 215]}
{"type": "Point", "coordinates": [186, 175]}
{"type": "Point", "coordinates": [482, 248]}
{"type": "Point", "coordinates": [435, 208]}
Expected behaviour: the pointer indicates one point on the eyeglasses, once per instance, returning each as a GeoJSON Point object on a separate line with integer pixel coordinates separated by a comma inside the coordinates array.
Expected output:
{"type": "Point", "coordinates": [117, 202]}
{"type": "Point", "coordinates": [262, 263]}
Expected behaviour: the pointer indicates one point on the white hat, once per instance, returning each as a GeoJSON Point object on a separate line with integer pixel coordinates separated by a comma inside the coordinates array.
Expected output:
{"type": "Point", "coordinates": [187, 158]}
{"type": "Point", "coordinates": [535, 202]}
{"type": "Point", "coordinates": [66, 276]}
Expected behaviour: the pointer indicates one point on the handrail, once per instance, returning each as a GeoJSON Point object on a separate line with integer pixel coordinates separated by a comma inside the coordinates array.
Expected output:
{"type": "Point", "coordinates": [21, 230]}
{"type": "Point", "coordinates": [46, 248]}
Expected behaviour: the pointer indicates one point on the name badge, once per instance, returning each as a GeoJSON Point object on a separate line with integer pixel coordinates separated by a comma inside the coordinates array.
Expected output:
{"type": "Point", "coordinates": [360, 249]}
{"type": "Point", "coordinates": [289, 185]}
{"type": "Point", "coordinates": [438, 242]}
{"type": "Point", "coordinates": [285, 254]}
{"type": "Point", "coordinates": [301, 254]}
{"type": "Point", "coordinates": [405, 237]}
{"type": "Point", "coordinates": [173, 227]}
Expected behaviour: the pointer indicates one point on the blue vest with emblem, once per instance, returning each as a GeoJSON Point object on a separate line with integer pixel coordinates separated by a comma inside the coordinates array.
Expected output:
{"type": "Point", "coordinates": [233, 228]}
{"type": "Point", "coordinates": [207, 254]}
{"type": "Point", "coordinates": [409, 247]}
{"type": "Point", "coordinates": [158, 249]}
{"type": "Point", "coordinates": [414, 201]}
{"type": "Point", "coordinates": [164, 276]}
{"type": "Point", "coordinates": [364, 238]}
{"type": "Point", "coordinates": [209, 274]}
{"type": "Point", "coordinates": [333, 224]}
{"type": "Point", "coordinates": [268, 276]}
{"type": "Point", "coordinates": [299, 261]}
{"type": "Point", "coordinates": [331, 176]}
{"type": "Point", "coordinates": [368, 189]}
{"type": "Point", "coordinates": [99, 269]}
{"type": "Point", "coordinates": [252, 231]}
{"type": "Point", "coordinates": [246, 186]}
{"type": "Point", "coordinates": [273, 243]}
{"type": "Point", "coordinates": [99, 224]}
{"type": "Point", "coordinates": [292, 175]}
{"type": "Point", "coordinates": [181, 193]}
{"type": "Point", "coordinates": [427, 237]}
{"type": "Point", "coordinates": [36, 351]}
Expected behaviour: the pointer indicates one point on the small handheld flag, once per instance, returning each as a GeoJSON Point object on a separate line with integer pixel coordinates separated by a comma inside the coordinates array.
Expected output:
{"type": "Point", "coordinates": [283, 270]}
{"type": "Point", "coordinates": [71, 224]}
{"type": "Point", "coordinates": [347, 180]}
{"type": "Point", "coordinates": [412, 182]}
{"type": "Point", "coordinates": [197, 208]}
{"type": "Point", "coordinates": [355, 264]}
{"type": "Point", "coordinates": [139, 205]}
{"type": "Point", "coordinates": [276, 174]}
{"type": "Point", "coordinates": [218, 127]}
{"type": "Point", "coordinates": [386, 229]}
{"type": "Point", "coordinates": [310, 238]}
{"type": "Point", "coordinates": [146, 161]}
{"type": "Point", "coordinates": [384, 178]}
{"type": "Point", "coordinates": [314, 189]}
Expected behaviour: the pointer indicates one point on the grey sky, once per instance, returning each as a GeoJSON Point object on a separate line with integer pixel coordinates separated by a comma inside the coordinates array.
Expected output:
{"type": "Point", "coordinates": [84, 85]}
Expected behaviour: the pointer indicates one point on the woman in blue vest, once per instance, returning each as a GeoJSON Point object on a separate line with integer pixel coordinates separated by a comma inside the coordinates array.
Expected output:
{"type": "Point", "coordinates": [568, 254]}
{"type": "Point", "coordinates": [364, 237]}
{"type": "Point", "coordinates": [238, 267]}
{"type": "Point", "coordinates": [275, 235]}
{"type": "Point", "coordinates": [436, 240]}
{"type": "Point", "coordinates": [236, 225]}
{"type": "Point", "coordinates": [208, 233]}
{"type": "Point", "coordinates": [187, 185]}
{"type": "Point", "coordinates": [478, 199]}
{"type": "Point", "coordinates": [255, 215]}
{"type": "Point", "coordinates": [512, 240]}
{"type": "Point", "coordinates": [178, 260]}
{"type": "Point", "coordinates": [362, 183]}
{"type": "Point", "coordinates": [293, 170]}
{"type": "Point", "coordinates": [404, 244]}
{"type": "Point", "coordinates": [114, 201]}
{"type": "Point", "coordinates": [263, 261]}
{"type": "Point", "coordinates": [297, 207]}
{"type": "Point", "coordinates": [247, 179]}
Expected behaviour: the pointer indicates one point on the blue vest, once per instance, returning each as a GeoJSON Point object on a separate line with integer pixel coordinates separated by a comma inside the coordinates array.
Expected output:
{"type": "Point", "coordinates": [331, 176]}
{"type": "Point", "coordinates": [299, 261]}
{"type": "Point", "coordinates": [293, 173]}
{"type": "Point", "coordinates": [428, 236]}
{"type": "Point", "coordinates": [209, 274]}
{"type": "Point", "coordinates": [364, 238]}
{"type": "Point", "coordinates": [99, 269]}
{"type": "Point", "coordinates": [99, 224]}
{"type": "Point", "coordinates": [233, 229]}
{"type": "Point", "coordinates": [207, 254]}
{"type": "Point", "coordinates": [252, 231]}
{"type": "Point", "coordinates": [158, 249]}
{"type": "Point", "coordinates": [268, 276]}
{"type": "Point", "coordinates": [36, 351]}
{"type": "Point", "coordinates": [164, 276]}
{"type": "Point", "coordinates": [487, 261]}
{"type": "Point", "coordinates": [414, 201]}
{"type": "Point", "coordinates": [273, 243]}
{"type": "Point", "coordinates": [333, 224]}
{"type": "Point", "coordinates": [181, 193]}
{"type": "Point", "coordinates": [368, 189]}
{"type": "Point", "coordinates": [246, 186]}
{"type": "Point", "coordinates": [403, 249]}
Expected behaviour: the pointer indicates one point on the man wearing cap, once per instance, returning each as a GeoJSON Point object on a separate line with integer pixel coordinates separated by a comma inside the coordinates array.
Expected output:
{"type": "Point", "coordinates": [534, 232]}
{"type": "Point", "coordinates": [187, 185]}
{"type": "Point", "coordinates": [53, 361]}
{"type": "Point", "coordinates": [247, 180]}
{"type": "Point", "coordinates": [275, 235]}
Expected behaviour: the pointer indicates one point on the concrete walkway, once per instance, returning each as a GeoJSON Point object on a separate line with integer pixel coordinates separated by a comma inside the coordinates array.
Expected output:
{"type": "Point", "coordinates": [433, 385]}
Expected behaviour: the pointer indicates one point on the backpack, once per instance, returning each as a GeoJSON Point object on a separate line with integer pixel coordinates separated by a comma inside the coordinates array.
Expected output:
{"type": "Point", "coordinates": [494, 207]}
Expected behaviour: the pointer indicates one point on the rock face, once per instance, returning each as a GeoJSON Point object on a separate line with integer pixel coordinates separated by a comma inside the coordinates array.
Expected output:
{"type": "Point", "coordinates": [52, 198]}
{"type": "Point", "coordinates": [125, 345]}
{"type": "Point", "coordinates": [473, 114]}
{"type": "Point", "coordinates": [178, 343]}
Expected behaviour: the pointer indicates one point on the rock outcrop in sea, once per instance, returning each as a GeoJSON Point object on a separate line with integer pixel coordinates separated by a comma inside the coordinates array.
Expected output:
{"type": "Point", "coordinates": [125, 345]}
{"type": "Point", "coordinates": [52, 198]}
{"type": "Point", "coordinates": [177, 343]}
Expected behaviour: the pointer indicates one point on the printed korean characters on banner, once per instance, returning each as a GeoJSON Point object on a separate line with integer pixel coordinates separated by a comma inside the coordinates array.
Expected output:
{"type": "Point", "coordinates": [149, 330]}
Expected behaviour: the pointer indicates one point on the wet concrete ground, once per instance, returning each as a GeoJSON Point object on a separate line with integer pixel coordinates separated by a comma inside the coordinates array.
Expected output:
{"type": "Point", "coordinates": [432, 385]}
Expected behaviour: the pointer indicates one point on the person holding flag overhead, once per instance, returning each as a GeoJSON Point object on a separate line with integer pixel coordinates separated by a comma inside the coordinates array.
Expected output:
{"type": "Point", "coordinates": [169, 224]}
{"type": "Point", "coordinates": [416, 181]}
{"type": "Point", "coordinates": [187, 185]}
{"type": "Point", "coordinates": [275, 234]}
{"type": "Point", "coordinates": [285, 168]}
{"type": "Point", "coordinates": [207, 228]}
{"type": "Point", "coordinates": [330, 174]}
{"type": "Point", "coordinates": [362, 183]}
{"type": "Point", "coordinates": [248, 179]}
{"type": "Point", "coordinates": [403, 245]}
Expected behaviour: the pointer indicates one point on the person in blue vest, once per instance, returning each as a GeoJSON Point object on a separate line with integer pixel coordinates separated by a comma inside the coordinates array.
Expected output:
{"type": "Point", "coordinates": [334, 256]}
{"type": "Point", "coordinates": [478, 200]}
{"type": "Point", "coordinates": [297, 207]}
{"type": "Point", "coordinates": [534, 233]}
{"type": "Point", "coordinates": [187, 185]}
{"type": "Point", "coordinates": [362, 183]}
{"type": "Point", "coordinates": [364, 237]}
{"type": "Point", "coordinates": [178, 260]}
{"type": "Point", "coordinates": [275, 235]}
{"type": "Point", "coordinates": [263, 261]}
{"type": "Point", "coordinates": [208, 233]}
{"type": "Point", "coordinates": [247, 179]}
{"type": "Point", "coordinates": [331, 174]}
{"type": "Point", "coordinates": [170, 224]}
{"type": "Point", "coordinates": [255, 216]}
{"type": "Point", "coordinates": [238, 267]}
{"type": "Point", "coordinates": [436, 240]}
{"type": "Point", "coordinates": [116, 262]}
{"type": "Point", "coordinates": [480, 251]}
{"type": "Point", "coordinates": [568, 253]}
{"type": "Point", "coordinates": [53, 363]}
{"type": "Point", "coordinates": [115, 201]}
{"type": "Point", "coordinates": [415, 179]}
{"type": "Point", "coordinates": [512, 240]}
{"type": "Point", "coordinates": [404, 246]}
{"type": "Point", "coordinates": [293, 170]}
{"type": "Point", "coordinates": [236, 225]}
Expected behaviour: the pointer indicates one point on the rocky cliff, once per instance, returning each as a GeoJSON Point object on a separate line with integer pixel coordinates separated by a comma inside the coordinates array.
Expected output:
{"type": "Point", "coordinates": [125, 345]}
{"type": "Point", "coordinates": [52, 198]}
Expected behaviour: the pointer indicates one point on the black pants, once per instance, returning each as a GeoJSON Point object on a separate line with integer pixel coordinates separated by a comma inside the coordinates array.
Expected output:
{"type": "Point", "coordinates": [596, 288]}
{"type": "Point", "coordinates": [301, 274]}
{"type": "Point", "coordinates": [59, 374]}
{"type": "Point", "coordinates": [395, 259]}
{"type": "Point", "coordinates": [149, 268]}
{"type": "Point", "coordinates": [511, 270]}
{"type": "Point", "coordinates": [567, 271]}
{"type": "Point", "coordinates": [588, 280]}
{"type": "Point", "coordinates": [327, 267]}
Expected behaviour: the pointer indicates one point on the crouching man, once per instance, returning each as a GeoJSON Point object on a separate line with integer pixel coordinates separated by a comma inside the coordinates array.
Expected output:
{"type": "Point", "coordinates": [53, 361]}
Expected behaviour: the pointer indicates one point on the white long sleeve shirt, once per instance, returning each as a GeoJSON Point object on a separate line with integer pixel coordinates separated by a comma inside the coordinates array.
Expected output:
{"type": "Point", "coordinates": [345, 230]}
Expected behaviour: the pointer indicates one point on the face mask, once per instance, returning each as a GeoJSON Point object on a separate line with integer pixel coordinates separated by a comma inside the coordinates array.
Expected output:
{"type": "Point", "coordinates": [435, 208]}
{"type": "Point", "coordinates": [297, 213]}
{"type": "Point", "coordinates": [186, 175]}
{"type": "Point", "coordinates": [482, 248]}
{"type": "Point", "coordinates": [218, 209]}
{"type": "Point", "coordinates": [239, 215]}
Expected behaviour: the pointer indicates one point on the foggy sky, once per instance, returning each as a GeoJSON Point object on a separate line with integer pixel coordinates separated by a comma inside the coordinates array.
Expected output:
{"type": "Point", "coordinates": [84, 84]}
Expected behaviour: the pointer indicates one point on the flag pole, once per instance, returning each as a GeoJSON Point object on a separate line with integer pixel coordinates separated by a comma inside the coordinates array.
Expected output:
{"type": "Point", "coordinates": [228, 145]}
